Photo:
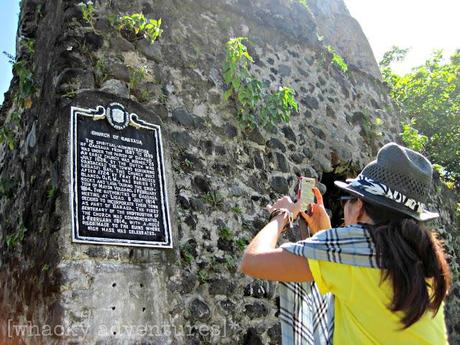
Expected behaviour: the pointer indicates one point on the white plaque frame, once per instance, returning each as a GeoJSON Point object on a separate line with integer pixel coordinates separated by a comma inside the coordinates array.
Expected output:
{"type": "Point", "coordinates": [101, 113]}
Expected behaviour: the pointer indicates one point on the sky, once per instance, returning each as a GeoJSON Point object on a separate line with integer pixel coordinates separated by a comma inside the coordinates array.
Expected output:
{"type": "Point", "coordinates": [421, 25]}
{"type": "Point", "coordinates": [9, 10]}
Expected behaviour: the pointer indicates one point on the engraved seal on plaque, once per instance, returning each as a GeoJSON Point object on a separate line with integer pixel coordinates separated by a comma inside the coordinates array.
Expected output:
{"type": "Point", "coordinates": [117, 116]}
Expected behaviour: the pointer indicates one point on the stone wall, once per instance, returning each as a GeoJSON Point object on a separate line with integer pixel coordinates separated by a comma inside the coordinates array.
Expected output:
{"type": "Point", "coordinates": [220, 177]}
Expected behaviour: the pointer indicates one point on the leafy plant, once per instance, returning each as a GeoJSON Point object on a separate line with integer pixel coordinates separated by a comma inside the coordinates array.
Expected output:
{"type": "Point", "coordinates": [140, 27]}
{"type": "Point", "coordinates": [395, 54]}
{"type": "Point", "coordinates": [101, 71]}
{"type": "Point", "coordinates": [429, 99]}
{"type": "Point", "coordinates": [412, 138]}
{"type": "Point", "coordinates": [136, 76]}
{"type": "Point", "coordinates": [203, 276]}
{"type": "Point", "coordinates": [304, 3]}
{"type": "Point", "coordinates": [231, 263]}
{"type": "Point", "coordinates": [143, 96]}
{"type": "Point", "coordinates": [24, 73]}
{"type": "Point", "coordinates": [113, 20]}
{"type": "Point", "coordinates": [186, 253]}
{"type": "Point", "coordinates": [446, 179]}
{"type": "Point", "coordinates": [26, 84]}
{"type": "Point", "coordinates": [213, 198]}
{"type": "Point", "coordinates": [226, 234]}
{"type": "Point", "coordinates": [12, 240]}
{"type": "Point", "coordinates": [246, 90]}
{"type": "Point", "coordinates": [87, 11]}
{"type": "Point", "coordinates": [236, 210]}
{"type": "Point", "coordinates": [255, 106]}
{"type": "Point", "coordinates": [337, 60]}
{"type": "Point", "coordinates": [163, 99]}
{"type": "Point", "coordinates": [241, 243]}
{"type": "Point", "coordinates": [7, 136]}
{"type": "Point", "coordinates": [23, 95]}
{"type": "Point", "coordinates": [236, 68]}
{"type": "Point", "coordinates": [279, 106]}
{"type": "Point", "coordinates": [52, 192]}
{"type": "Point", "coordinates": [72, 88]}
{"type": "Point", "coordinates": [28, 44]}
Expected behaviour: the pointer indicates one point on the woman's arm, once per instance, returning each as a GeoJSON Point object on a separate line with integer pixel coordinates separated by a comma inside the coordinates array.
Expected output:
{"type": "Point", "coordinates": [263, 260]}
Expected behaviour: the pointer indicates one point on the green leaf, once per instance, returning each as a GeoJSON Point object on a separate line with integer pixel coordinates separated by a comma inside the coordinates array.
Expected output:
{"type": "Point", "coordinates": [255, 107]}
{"type": "Point", "coordinates": [236, 84]}
{"type": "Point", "coordinates": [430, 95]}
{"type": "Point", "coordinates": [227, 94]}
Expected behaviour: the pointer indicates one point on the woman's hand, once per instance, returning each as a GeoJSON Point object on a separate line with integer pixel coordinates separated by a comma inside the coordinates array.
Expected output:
{"type": "Point", "coordinates": [317, 219]}
{"type": "Point", "coordinates": [285, 203]}
{"type": "Point", "coordinates": [263, 260]}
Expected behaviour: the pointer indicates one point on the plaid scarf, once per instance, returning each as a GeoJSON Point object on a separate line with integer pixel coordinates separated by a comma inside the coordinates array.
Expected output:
{"type": "Point", "coordinates": [307, 316]}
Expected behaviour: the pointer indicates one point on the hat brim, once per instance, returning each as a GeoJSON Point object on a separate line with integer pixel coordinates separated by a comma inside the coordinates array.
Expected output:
{"type": "Point", "coordinates": [423, 216]}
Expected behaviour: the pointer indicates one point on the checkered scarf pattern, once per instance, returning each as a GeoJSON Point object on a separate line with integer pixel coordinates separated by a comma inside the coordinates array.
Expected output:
{"type": "Point", "coordinates": [307, 316]}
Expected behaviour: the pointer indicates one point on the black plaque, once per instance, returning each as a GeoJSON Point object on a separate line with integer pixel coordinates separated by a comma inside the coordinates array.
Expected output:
{"type": "Point", "coordinates": [118, 187]}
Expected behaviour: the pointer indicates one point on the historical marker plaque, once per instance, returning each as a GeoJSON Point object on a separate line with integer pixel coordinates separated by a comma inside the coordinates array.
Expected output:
{"type": "Point", "coordinates": [118, 185]}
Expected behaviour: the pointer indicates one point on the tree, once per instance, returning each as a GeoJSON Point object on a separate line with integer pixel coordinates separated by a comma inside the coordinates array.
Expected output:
{"type": "Point", "coordinates": [429, 98]}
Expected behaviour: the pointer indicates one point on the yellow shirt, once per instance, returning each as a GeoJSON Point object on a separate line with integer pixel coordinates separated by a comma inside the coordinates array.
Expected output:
{"type": "Point", "coordinates": [361, 313]}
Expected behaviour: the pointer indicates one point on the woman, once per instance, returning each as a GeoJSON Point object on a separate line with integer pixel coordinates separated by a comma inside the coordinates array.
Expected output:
{"type": "Point", "coordinates": [382, 278]}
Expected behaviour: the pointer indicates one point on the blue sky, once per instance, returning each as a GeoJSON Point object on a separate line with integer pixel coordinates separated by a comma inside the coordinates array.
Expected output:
{"type": "Point", "coordinates": [422, 25]}
{"type": "Point", "coordinates": [9, 10]}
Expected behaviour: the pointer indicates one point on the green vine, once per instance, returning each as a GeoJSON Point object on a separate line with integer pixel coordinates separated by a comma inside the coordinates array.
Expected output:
{"type": "Point", "coordinates": [87, 11]}
{"type": "Point", "coordinates": [304, 3]}
{"type": "Point", "coordinates": [337, 60]}
{"type": "Point", "coordinates": [24, 93]}
{"type": "Point", "coordinates": [255, 106]}
{"type": "Point", "coordinates": [135, 26]}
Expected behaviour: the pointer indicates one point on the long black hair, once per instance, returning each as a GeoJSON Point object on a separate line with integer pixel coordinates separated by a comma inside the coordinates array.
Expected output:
{"type": "Point", "coordinates": [413, 260]}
